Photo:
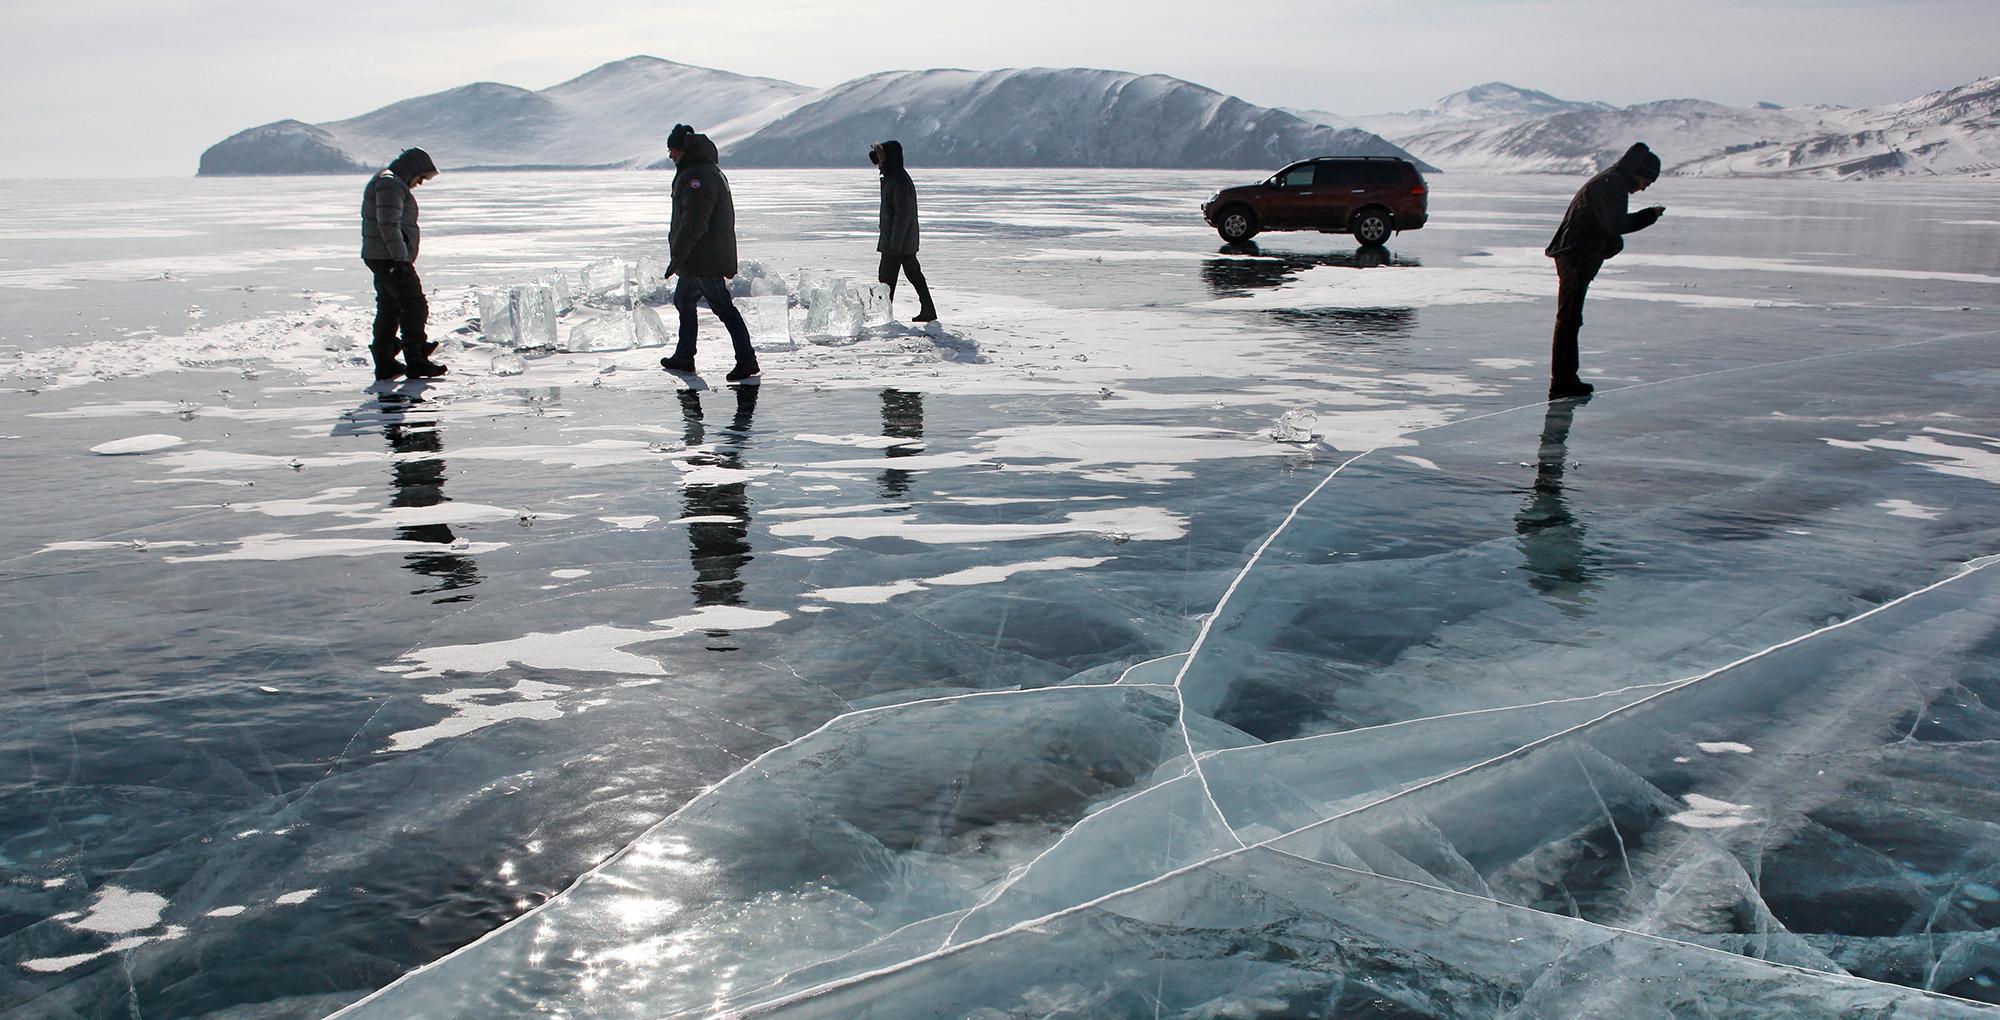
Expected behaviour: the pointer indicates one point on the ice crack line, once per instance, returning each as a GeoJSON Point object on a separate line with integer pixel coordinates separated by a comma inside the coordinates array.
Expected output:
{"type": "Point", "coordinates": [1208, 622]}
{"type": "Point", "coordinates": [1967, 570]}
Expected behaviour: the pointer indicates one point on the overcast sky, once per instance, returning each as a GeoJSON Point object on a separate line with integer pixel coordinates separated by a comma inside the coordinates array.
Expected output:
{"type": "Point", "coordinates": [141, 87]}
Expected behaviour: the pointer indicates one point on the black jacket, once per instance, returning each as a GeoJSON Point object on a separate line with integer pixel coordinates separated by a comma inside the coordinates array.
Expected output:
{"type": "Point", "coordinates": [1597, 216]}
{"type": "Point", "coordinates": [702, 239]}
{"type": "Point", "coordinates": [389, 209]}
{"type": "Point", "coordinates": [899, 204]}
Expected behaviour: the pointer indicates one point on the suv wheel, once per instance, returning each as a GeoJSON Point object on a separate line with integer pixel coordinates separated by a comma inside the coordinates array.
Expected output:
{"type": "Point", "coordinates": [1237, 224]}
{"type": "Point", "coordinates": [1372, 227]}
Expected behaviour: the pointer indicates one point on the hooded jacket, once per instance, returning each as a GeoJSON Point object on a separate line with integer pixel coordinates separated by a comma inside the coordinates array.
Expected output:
{"type": "Point", "coordinates": [702, 239]}
{"type": "Point", "coordinates": [899, 204]}
{"type": "Point", "coordinates": [1597, 216]}
{"type": "Point", "coordinates": [389, 209]}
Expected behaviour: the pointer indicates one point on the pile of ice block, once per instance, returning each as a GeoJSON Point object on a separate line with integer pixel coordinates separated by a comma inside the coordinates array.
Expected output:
{"type": "Point", "coordinates": [837, 308]}
{"type": "Point", "coordinates": [524, 315]}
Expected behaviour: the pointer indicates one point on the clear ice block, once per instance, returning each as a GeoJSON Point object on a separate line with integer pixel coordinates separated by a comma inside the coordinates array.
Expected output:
{"type": "Point", "coordinates": [652, 282]}
{"type": "Point", "coordinates": [565, 300]}
{"type": "Point", "coordinates": [647, 328]}
{"type": "Point", "coordinates": [1295, 426]}
{"type": "Point", "coordinates": [508, 363]}
{"type": "Point", "coordinates": [830, 310]}
{"type": "Point", "coordinates": [873, 303]}
{"type": "Point", "coordinates": [534, 308]}
{"type": "Point", "coordinates": [607, 283]}
{"type": "Point", "coordinates": [611, 332]}
{"type": "Point", "coordinates": [769, 317]}
{"type": "Point", "coordinates": [496, 316]}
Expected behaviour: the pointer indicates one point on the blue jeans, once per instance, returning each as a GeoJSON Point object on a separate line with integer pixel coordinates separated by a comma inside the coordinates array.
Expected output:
{"type": "Point", "coordinates": [716, 291]}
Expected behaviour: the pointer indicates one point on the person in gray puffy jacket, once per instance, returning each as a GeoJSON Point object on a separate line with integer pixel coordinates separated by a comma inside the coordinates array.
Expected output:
{"type": "Point", "coordinates": [898, 228]}
{"type": "Point", "coordinates": [1593, 230]}
{"type": "Point", "coordinates": [389, 241]}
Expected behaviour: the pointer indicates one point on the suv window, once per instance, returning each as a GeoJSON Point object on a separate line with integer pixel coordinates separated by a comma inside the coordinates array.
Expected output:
{"type": "Point", "coordinates": [1339, 173]}
{"type": "Point", "coordinates": [1384, 173]}
{"type": "Point", "coordinates": [1297, 177]}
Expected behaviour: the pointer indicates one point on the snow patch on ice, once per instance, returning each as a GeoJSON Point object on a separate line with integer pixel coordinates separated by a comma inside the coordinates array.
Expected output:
{"type": "Point", "coordinates": [277, 547]}
{"type": "Point", "coordinates": [632, 523]}
{"type": "Point", "coordinates": [1905, 508]}
{"type": "Point", "coordinates": [989, 574]}
{"type": "Point", "coordinates": [152, 442]}
{"type": "Point", "coordinates": [1979, 460]}
{"type": "Point", "coordinates": [1143, 523]}
{"type": "Point", "coordinates": [831, 511]}
{"type": "Point", "coordinates": [594, 649]}
{"type": "Point", "coordinates": [807, 552]}
{"type": "Point", "coordinates": [471, 710]}
{"type": "Point", "coordinates": [1710, 813]}
{"type": "Point", "coordinates": [121, 912]}
{"type": "Point", "coordinates": [1724, 747]}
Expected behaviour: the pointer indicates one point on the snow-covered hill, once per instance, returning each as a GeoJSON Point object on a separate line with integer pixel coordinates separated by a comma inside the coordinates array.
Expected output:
{"type": "Point", "coordinates": [616, 115]}
{"type": "Point", "coordinates": [1954, 131]}
{"type": "Point", "coordinates": [1585, 141]}
{"type": "Point", "coordinates": [1041, 117]}
{"type": "Point", "coordinates": [1490, 105]}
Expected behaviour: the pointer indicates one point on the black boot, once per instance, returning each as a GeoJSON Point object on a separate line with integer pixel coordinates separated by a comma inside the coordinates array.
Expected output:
{"type": "Point", "coordinates": [1564, 389]}
{"type": "Point", "coordinates": [417, 360]}
{"type": "Point", "coordinates": [386, 365]}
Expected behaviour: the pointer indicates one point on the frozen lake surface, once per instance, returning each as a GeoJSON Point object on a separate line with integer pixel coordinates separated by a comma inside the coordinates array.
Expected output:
{"type": "Point", "coordinates": [1007, 667]}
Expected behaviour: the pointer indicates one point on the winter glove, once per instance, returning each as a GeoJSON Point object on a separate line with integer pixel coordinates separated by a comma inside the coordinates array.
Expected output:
{"type": "Point", "coordinates": [1650, 215]}
{"type": "Point", "coordinates": [672, 268]}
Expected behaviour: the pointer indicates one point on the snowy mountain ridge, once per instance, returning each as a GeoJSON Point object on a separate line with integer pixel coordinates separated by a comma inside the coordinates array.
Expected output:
{"type": "Point", "coordinates": [1038, 116]}
{"type": "Point", "coordinates": [618, 116]}
{"type": "Point", "coordinates": [1951, 131]}
{"type": "Point", "coordinates": [615, 115]}
{"type": "Point", "coordinates": [1490, 104]}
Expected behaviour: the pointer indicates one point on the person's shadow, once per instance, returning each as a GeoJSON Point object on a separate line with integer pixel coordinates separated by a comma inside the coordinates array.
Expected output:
{"type": "Point", "coordinates": [417, 474]}
{"type": "Point", "coordinates": [719, 540]}
{"type": "Point", "coordinates": [902, 418]}
{"type": "Point", "coordinates": [1560, 562]}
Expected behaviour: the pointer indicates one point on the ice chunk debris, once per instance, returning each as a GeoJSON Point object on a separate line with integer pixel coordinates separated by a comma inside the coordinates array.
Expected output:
{"type": "Point", "coordinates": [1295, 426]}
{"type": "Point", "coordinates": [535, 310]}
{"type": "Point", "coordinates": [607, 283]}
{"type": "Point", "coordinates": [651, 284]}
{"type": "Point", "coordinates": [767, 317]}
{"type": "Point", "coordinates": [606, 333]}
{"type": "Point", "coordinates": [523, 315]}
{"type": "Point", "coordinates": [647, 329]}
{"type": "Point", "coordinates": [496, 316]}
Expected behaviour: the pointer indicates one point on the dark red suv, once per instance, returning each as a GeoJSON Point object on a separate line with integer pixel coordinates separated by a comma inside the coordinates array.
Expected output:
{"type": "Point", "coordinates": [1370, 197]}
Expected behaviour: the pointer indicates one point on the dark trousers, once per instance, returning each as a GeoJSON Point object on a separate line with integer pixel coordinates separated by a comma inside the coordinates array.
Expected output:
{"type": "Point", "coordinates": [399, 307]}
{"type": "Point", "coordinates": [1573, 276]}
{"type": "Point", "coordinates": [909, 267]}
{"type": "Point", "coordinates": [715, 290]}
